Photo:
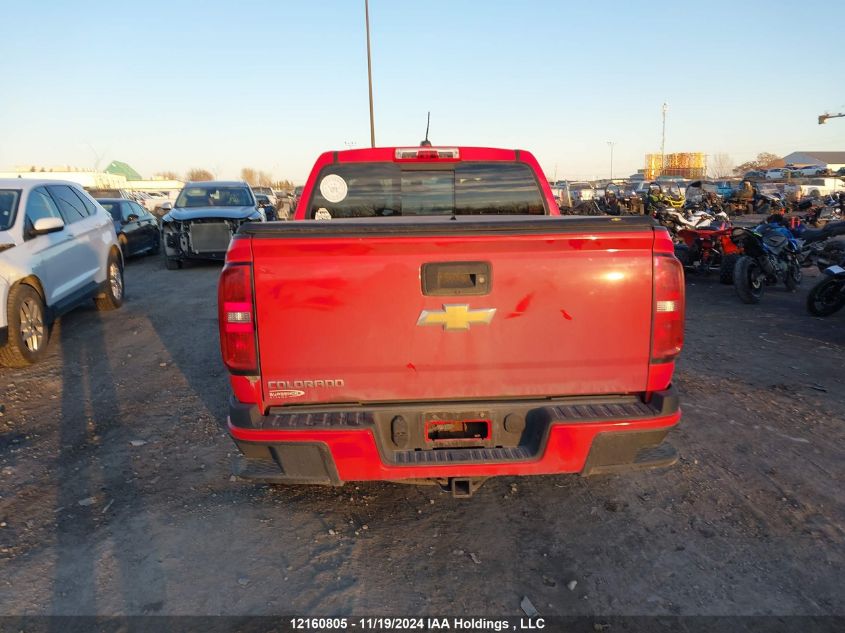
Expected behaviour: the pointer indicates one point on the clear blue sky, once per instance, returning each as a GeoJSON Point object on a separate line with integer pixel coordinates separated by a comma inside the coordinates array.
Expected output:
{"type": "Point", "coordinates": [170, 85]}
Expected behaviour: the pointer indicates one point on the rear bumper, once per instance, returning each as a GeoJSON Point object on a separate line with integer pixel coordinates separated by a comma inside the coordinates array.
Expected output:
{"type": "Point", "coordinates": [333, 445]}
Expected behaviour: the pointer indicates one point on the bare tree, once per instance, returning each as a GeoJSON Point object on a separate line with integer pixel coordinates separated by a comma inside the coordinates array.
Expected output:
{"type": "Point", "coordinates": [249, 175]}
{"type": "Point", "coordinates": [255, 177]}
{"type": "Point", "coordinates": [199, 174]}
{"type": "Point", "coordinates": [764, 160]}
{"type": "Point", "coordinates": [720, 166]}
{"type": "Point", "coordinates": [265, 179]}
{"type": "Point", "coordinates": [166, 175]}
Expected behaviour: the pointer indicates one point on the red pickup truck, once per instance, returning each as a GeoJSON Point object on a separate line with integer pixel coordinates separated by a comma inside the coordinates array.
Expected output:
{"type": "Point", "coordinates": [429, 315]}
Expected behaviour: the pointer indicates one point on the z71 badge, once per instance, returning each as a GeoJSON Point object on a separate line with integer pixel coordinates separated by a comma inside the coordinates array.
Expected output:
{"type": "Point", "coordinates": [286, 393]}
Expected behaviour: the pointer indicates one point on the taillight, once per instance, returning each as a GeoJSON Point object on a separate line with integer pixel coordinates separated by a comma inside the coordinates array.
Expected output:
{"type": "Point", "coordinates": [236, 318]}
{"type": "Point", "coordinates": [427, 153]}
{"type": "Point", "coordinates": [667, 337]}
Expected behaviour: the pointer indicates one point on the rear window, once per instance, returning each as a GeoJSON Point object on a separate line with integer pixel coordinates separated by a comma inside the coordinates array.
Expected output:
{"type": "Point", "coordinates": [113, 208]}
{"type": "Point", "coordinates": [361, 190]}
{"type": "Point", "coordinates": [214, 196]}
{"type": "Point", "coordinates": [70, 205]}
{"type": "Point", "coordinates": [86, 200]}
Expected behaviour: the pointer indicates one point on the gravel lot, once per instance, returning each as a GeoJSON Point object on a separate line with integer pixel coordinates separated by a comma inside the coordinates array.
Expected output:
{"type": "Point", "coordinates": [117, 499]}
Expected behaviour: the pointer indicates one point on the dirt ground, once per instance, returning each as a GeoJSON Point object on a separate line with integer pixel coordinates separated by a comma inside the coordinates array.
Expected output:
{"type": "Point", "coordinates": [117, 498]}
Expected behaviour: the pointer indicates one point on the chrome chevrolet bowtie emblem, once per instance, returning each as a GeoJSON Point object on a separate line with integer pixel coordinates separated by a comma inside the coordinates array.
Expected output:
{"type": "Point", "coordinates": [456, 317]}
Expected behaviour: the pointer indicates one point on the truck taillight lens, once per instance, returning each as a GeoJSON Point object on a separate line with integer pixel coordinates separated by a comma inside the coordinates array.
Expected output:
{"type": "Point", "coordinates": [667, 338]}
{"type": "Point", "coordinates": [236, 319]}
{"type": "Point", "coordinates": [427, 153]}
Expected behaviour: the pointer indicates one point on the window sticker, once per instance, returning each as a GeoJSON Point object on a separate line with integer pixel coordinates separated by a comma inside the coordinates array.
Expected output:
{"type": "Point", "coordinates": [322, 214]}
{"type": "Point", "coordinates": [333, 188]}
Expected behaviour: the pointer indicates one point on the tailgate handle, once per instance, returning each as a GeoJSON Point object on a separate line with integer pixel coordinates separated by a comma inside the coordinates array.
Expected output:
{"type": "Point", "coordinates": [452, 279]}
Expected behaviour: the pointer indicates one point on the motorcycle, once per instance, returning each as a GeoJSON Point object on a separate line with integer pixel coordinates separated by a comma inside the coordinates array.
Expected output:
{"type": "Point", "coordinates": [708, 245]}
{"type": "Point", "coordinates": [708, 248]}
{"type": "Point", "coordinates": [587, 207]}
{"type": "Point", "coordinates": [825, 215]}
{"type": "Point", "coordinates": [736, 206]}
{"type": "Point", "coordinates": [739, 202]}
{"type": "Point", "coordinates": [770, 255]}
{"type": "Point", "coordinates": [817, 248]}
{"type": "Point", "coordinates": [828, 295]}
{"type": "Point", "coordinates": [609, 203]}
{"type": "Point", "coordinates": [768, 204]}
{"type": "Point", "coordinates": [832, 254]}
{"type": "Point", "coordinates": [677, 219]}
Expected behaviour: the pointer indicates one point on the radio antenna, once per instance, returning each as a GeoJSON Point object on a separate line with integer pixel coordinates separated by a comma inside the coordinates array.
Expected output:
{"type": "Point", "coordinates": [426, 142]}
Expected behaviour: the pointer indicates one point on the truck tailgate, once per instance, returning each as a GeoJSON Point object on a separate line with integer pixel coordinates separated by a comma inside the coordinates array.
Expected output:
{"type": "Point", "coordinates": [346, 311]}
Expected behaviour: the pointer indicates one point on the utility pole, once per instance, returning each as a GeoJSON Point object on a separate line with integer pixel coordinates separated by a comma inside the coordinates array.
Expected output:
{"type": "Point", "coordinates": [370, 73]}
{"type": "Point", "coordinates": [663, 139]}
{"type": "Point", "coordinates": [824, 117]}
{"type": "Point", "coordinates": [611, 144]}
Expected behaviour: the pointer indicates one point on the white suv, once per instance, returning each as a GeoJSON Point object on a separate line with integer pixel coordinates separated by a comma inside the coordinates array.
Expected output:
{"type": "Point", "coordinates": [58, 248]}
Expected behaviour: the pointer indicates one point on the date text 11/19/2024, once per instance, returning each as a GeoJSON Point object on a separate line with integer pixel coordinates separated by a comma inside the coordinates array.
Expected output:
{"type": "Point", "coordinates": [417, 624]}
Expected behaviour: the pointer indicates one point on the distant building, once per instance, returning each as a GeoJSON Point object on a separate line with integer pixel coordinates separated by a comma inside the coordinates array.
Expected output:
{"type": "Point", "coordinates": [689, 165]}
{"type": "Point", "coordinates": [169, 186]}
{"type": "Point", "coordinates": [830, 160]}
{"type": "Point", "coordinates": [92, 179]}
{"type": "Point", "coordinates": [122, 169]}
{"type": "Point", "coordinates": [97, 179]}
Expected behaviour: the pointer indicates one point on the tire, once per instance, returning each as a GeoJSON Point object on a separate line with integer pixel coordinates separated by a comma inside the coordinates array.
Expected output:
{"type": "Point", "coordinates": [726, 269]}
{"type": "Point", "coordinates": [172, 263]}
{"type": "Point", "coordinates": [29, 333]}
{"type": "Point", "coordinates": [682, 252]}
{"type": "Point", "coordinates": [794, 276]}
{"type": "Point", "coordinates": [826, 297]}
{"type": "Point", "coordinates": [113, 296]}
{"type": "Point", "coordinates": [748, 291]}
